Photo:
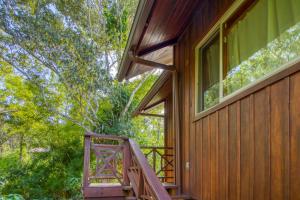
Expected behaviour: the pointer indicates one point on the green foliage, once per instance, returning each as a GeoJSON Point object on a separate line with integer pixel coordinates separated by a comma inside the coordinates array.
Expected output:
{"type": "Point", "coordinates": [53, 175]}
{"type": "Point", "coordinates": [11, 197]}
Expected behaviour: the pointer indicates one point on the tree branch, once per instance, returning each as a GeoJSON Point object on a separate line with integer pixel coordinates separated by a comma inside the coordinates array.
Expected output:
{"type": "Point", "coordinates": [133, 94]}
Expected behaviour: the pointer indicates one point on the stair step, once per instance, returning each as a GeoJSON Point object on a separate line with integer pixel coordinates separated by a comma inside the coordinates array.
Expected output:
{"type": "Point", "coordinates": [130, 198]}
{"type": "Point", "coordinates": [182, 197]}
{"type": "Point", "coordinates": [168, 186]}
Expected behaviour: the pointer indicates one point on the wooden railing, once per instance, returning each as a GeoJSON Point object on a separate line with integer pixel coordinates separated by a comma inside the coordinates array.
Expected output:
{"type": "Point", "coordinates": [162, 161]}
{"type": "Point", "coordinates": [118, 160]}
{"type": "Point", "coordinates": [104, 158]}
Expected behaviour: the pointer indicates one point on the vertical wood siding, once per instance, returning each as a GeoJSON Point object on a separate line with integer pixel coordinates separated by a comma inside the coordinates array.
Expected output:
{"type": "Point", "coordinates": [249, 149]}
{"type": "Point", "coordinates": [169, 139]}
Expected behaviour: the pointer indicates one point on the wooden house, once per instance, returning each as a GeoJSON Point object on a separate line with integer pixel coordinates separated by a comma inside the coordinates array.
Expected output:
{"type": "Point", "coordinates": [231, 90]}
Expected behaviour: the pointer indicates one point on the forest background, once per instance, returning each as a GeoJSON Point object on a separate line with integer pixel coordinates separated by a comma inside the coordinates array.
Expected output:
{"type": "Point", "coordinates": [58, 65]}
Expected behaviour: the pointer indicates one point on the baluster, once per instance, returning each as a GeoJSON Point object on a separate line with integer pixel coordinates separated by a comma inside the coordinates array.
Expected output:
{"type": "Point", "coordinates": [154, 159]}
{"type": "Point", "coordinates": [141, 183]}
{"type": "Point", "coordinates": [162, 165]}
{"type": "Point", "coordinates": [126, 162]}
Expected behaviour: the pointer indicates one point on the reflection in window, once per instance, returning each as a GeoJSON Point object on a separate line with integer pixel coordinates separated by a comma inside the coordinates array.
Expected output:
{"type": "Point", "coordinates": [266, 38]}
{"type": "Point", "coordinates": [209, 73]}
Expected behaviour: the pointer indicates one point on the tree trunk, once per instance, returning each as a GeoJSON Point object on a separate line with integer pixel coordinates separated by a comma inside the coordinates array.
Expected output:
{"type": "Point", "coordinates": [21, 147]}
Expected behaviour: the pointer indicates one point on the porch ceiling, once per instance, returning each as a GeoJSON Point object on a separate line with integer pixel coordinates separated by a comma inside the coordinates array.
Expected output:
{"type": "Point", "coordinates": [156, 28]}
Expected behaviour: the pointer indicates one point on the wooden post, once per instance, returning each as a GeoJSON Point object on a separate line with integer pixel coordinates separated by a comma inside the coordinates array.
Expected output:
{"type": "Point", "coordinates": [126, 162]}
{"type": "Point", "coordinates": [86, 165]}
{"type": "Point", "coordinates": [176, 128]}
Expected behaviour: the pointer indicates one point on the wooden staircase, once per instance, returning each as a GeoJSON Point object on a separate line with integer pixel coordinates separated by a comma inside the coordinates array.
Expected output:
{"type": "Point", "coordinates": [115, 168]}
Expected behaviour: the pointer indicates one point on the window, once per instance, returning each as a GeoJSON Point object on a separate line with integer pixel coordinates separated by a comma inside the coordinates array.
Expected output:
{"type": "Point", "coordinates": [209, 73]}
{"type": "Point", "coordinates": [256, 40]}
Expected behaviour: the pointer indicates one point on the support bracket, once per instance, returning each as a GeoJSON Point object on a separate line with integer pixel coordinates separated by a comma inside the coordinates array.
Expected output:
{"type": "Point", "coordinates": [150, 63]}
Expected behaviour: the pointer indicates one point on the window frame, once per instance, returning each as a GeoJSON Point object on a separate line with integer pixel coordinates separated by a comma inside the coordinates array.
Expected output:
{"type": "Point", "coordinates": [200, 99]}
{"type": "Point", "coordinates": [231, 16]}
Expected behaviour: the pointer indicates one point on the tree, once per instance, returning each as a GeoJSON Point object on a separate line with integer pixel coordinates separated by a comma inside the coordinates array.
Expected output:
{"type": "Point", "coordinates": [68, 53]}
{"type": "Point", "coordinates": [58, 61]}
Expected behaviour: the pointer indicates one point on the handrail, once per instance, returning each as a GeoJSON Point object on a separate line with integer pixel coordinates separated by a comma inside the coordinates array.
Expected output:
{"type": "Point", "coordinates": [108, 137]}
{"type": "Point", "coordinates": [148, 174]}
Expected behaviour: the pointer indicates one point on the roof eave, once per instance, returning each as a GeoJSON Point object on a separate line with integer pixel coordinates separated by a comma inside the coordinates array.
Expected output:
{"type": "Point", "coordinates": [139, 22]}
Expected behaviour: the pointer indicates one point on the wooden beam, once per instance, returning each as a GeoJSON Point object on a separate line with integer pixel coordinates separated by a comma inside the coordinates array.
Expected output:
{"type": "Point", "coordinates": [152, 115]}
{"type": "Point", "coordinates": [150, 63]}
{"type": "Point", "coordinates": [158, 46]}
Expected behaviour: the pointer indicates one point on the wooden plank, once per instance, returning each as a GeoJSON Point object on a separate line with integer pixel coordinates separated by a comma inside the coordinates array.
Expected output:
{"type": "Point", "coordinates": [223, 154]}
{"type": "Point", "coordinates": [183, 75]}
{"type": "Point", "coordinates": [214, 155]}
{"type": "Point", "coordinates": [295, 136]}
{"type": "Point", "coordinates": [193, 157]}
{"type": "Point", "coordinates": [103, 191]}
{"type": "Point", "coordinates": [176, 122]}
{"type": "Point", "coordinates": [238, 137]}
{"type": "Point", "coordinates": [280, 140]}
{"type": "Point", "coordinates": [191, 115]}
{"type": "Point", "coordinates": [199, 160]}
{"type": "Point", "coordinates": [233, 152]}
{"type": "Point", "coordinates": [186, 112]}
{"type": "Point", "coordinates": [252, 146]}
{"type": "Point", "coordinates": [246, 150]}
{"type": "Point", "coordinates": [86, 164]}
{"type": "Point", "coordinates": [206, 159]}
{"type": "Point", "coordinates": [262, 144]}
{"type": "Point", "coordinates": [180, 112]}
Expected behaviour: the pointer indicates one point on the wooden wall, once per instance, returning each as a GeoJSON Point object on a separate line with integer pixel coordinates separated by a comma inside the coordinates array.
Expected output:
{"type": "Point", "coordinates": [169, 138]}
{"type": "Point", "coordinates": [248, 148]}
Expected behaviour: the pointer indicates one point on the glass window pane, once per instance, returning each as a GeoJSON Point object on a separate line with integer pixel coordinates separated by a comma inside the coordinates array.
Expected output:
{"type": "Point", "coordinates": [209, 73]}
{"type": "Point", "coordinates": [264, 39]}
